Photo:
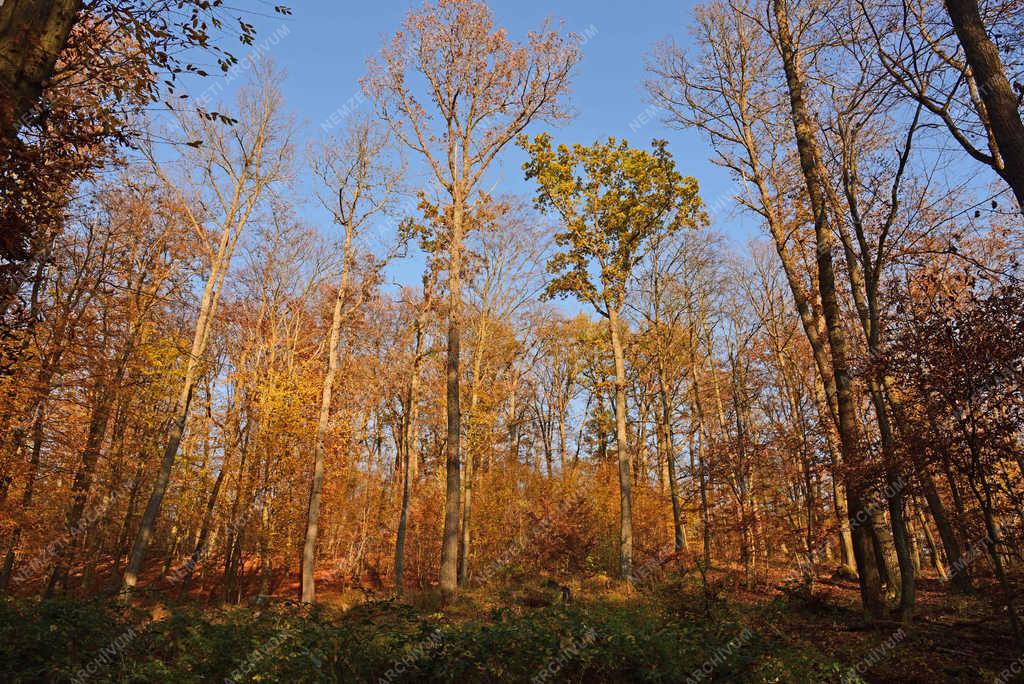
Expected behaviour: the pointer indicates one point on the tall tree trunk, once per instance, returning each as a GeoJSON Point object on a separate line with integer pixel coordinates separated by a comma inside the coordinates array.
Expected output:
{"type": "Point", "coordinates": [838, 489]}
{"type": "Point", "coordinates": [705, 509]}
{"type": "Point", "coordinates": [207, 309]}
{"type": "Point", "coordinates": [669, 454]}
{"type": "Point", "coordinates": [621, 445]}
{"type": "Point", "coordinates": [698, 449]}
{"type": "Point", "coordinates": [885, 548]}
{"type": "Point", "coordinates": [474, 398]}
{"type": "Point", "coordinates": [895, 490]}
{"type": "Point", "coordinates": [813, 173]}
{"type": "Point", "coordinates": [408, 432]}
{"type": "Point", "coordinates": [323, 421]}
{"type": "Point", "coordinates": [1002, 106]}
{"type": "Point", "coordinates": [449, 578]}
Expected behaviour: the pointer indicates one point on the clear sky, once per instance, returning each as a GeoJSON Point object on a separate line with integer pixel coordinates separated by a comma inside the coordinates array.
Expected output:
{"type": "Point", "coordinates": [324, 45]}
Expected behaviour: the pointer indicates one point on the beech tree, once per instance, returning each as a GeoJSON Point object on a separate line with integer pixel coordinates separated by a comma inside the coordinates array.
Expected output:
{"type": "Point", "coordinates": [956, 59]}
{"type": "Point", "coordinates": [960, 358]}
{"type": "Point", "coordinates": [505, 265]}
{"type": "Point", "coordinates": [75, 78]}
{"type": "Point", "coordinates": [456, 90]}
{"type": "Point", "coordinates": [203, 391]}
{"type": "Point", "coordinates": [407, 425]}
{"type": "Point", "coordinates": [613, 201]}
{"type": "Point", "coordinates": [226, 179]}
{"type": "Point", "coordinates": [366, 183]}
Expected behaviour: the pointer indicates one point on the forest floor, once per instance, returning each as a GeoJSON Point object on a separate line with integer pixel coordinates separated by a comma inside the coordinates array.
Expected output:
{"type": "Point", "coordinates": [680, 628]}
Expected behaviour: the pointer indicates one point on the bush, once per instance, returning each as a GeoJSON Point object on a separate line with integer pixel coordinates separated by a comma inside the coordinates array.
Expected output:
{"type": "Point", "coordinates": [53, 641]}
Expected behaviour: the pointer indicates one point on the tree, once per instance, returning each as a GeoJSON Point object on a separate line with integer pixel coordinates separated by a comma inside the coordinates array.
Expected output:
{"type": "Point", "coordinates": [729, 90]}
{"type": "Point", "coordinates": [366, 186]}
{"type": "Point", "coordinates": [949, 58]}
{"type": "Point", "coordinates": [35, 33]}
{"type": "Point", "coordinates": [482, 91]}
{"type": "Point", "coordinates": [1001, 105]}
{"type": "Point", "coordinates": [771, 139]}
{"type": "Point", "coordinates": [960, 358]}
{"type": "Point", "coordinates": [613, 202]}
{"type": "Point", "coordinates": [74, 79]}
{"type": "Point", "coordinates": [144, 231]}
{"type": "Point", "coordinates": [815, 178]}
{"type": "Point", "coordinates": [504, 261]}
{"type": "Point", "coordinates": [226, 179]}
{"type": "Point", "coordinates": [66, 298]}
{"type": "Point", "coordinates": [674, 270]}
{"type": "Point", "coordinates": [32, 37]}
{"type": "Point", "coordinates": [407, 426]}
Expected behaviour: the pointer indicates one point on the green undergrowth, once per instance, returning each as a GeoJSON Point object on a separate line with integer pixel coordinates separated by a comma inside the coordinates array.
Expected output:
{"type": "Point", "coordinates": [630, 640]}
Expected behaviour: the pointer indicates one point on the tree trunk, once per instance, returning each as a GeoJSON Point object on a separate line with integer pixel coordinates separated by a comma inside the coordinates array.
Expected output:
{"type": "Point", "coordinates": [838, 490]}
{"type": "Point", "coordinates": [933, 548]}
{"type": "Point", "coordinates": [233, 531]}
{"type": "Point", "coordinates": [125, 533]}
{"type": "Point", "coordinates": [407, 428]}
{"type": "Point", "coordinates": [562, 439]}
{"type": "Point", "coordinates": [32, 35]}
{"type": "Point", "coordinates": [266, 561]}
{"type": "Point", "coordinates": [1002, 106]}
{"type": "Point", "coordinates": [888, 564]}
{"type": "Point", "coordinates": [813, 173]}
{"type": "Point", "coordinates": [450, 542]}
{"type": "Point", "coordinates": [204, 533]}
{"type": "Point", "coordinates": [670, 458]}
{"type": "Point", "coordinates": [323, 421]}
{"type": "Point", "coordinates": [961, 580]}
{"type": "Point", "coordinates": [625, 483]}
{"type": "Point", "coordinates": [207, 309]}
{"type": "Point", "coordinates": [895, 497]}
{"type": "Point", "coordinates": [697, 449]}
{"type": "Point", "coordinates": [513, 423]}
{"type": "Point", "coordinates": [474, 397]}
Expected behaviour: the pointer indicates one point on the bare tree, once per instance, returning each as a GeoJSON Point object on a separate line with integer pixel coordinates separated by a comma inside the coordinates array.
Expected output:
{"type": "Point", "coordinates": [946, 57]}
{"type": "Point", "coordinates": [477, 90]}
{"type": "Point", "coordinates": [507, 257]}
{"type": "Point", "coordinates": [226, 178]}
{"type": "Point", "coordinates": [729, 91]}
{"type": "Point", "coordinates": [747, 51]}
{"type": "Point", "coordinates": [366, 183]}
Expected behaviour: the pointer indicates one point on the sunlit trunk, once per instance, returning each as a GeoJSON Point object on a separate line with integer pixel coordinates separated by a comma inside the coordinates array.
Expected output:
{"type": "Point", "coordinates": [625, 478]}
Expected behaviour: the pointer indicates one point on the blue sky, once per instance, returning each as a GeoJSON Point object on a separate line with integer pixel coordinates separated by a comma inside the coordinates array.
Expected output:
{"type": "Point", "coordinates": [324, 45]}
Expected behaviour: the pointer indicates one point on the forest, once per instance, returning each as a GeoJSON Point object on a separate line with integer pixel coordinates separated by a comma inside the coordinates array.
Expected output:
{"type": "Point", "coordinates": [454, 384]}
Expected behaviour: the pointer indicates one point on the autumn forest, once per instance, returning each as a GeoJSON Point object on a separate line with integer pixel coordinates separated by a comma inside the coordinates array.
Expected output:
{"type": "Point", "coordinates": [445, 387]}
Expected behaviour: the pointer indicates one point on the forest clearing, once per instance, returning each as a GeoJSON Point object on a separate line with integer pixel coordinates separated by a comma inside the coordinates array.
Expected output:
{"type": "Point", "coordinates": [456, 341]}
